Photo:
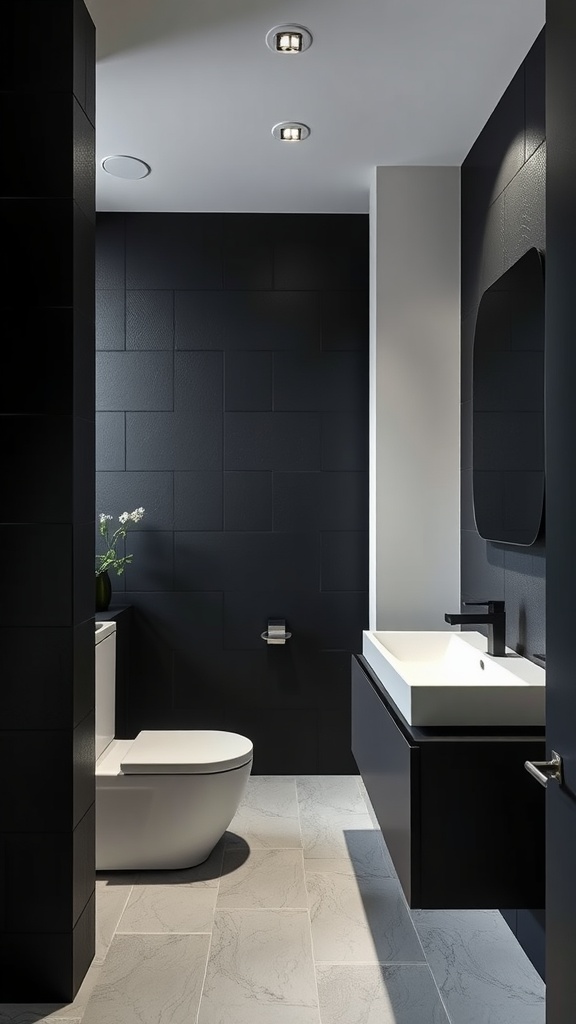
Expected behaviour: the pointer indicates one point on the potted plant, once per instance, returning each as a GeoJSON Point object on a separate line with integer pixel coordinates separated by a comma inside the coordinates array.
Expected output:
{"type": "Point", "coordinates": [110, 559]}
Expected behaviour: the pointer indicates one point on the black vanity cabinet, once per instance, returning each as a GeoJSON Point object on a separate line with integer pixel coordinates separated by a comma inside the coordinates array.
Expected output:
{"type": "Point", "coordinates": [462, 819]}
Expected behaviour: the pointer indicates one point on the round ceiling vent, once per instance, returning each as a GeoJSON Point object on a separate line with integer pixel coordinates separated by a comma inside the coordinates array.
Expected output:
{"type": "Point", "coordinates": [125, 167]}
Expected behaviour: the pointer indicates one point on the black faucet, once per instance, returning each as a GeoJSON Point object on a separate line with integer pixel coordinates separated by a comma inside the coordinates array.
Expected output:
{"type": "Point", "coordinates": [495, 620]}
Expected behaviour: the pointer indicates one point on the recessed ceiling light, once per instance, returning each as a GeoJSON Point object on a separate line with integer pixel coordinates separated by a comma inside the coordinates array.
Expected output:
{"type": "Point", "coordinates": [288, 39]}
{"type": "Point", "coordinates": [125, 167]}
{"type": "Point", "coordinates": [290, 131]}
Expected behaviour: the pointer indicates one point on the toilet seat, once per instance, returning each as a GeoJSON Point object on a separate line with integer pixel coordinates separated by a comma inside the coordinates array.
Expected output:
{"type": "Point", "coordinates": [185, 752]}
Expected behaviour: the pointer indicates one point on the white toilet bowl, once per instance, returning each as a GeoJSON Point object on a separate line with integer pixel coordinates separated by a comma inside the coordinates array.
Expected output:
{"type": "Point", "coordinates": [164, 799]}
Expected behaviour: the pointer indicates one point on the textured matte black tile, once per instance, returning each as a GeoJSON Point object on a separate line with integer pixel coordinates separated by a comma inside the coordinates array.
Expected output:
{"type": "Point", "coordinates": [40, 798]}
{"type": "Point", "coordinates": [245, 561]}
{"type": "Point", "coordinates": [29, 904]}
{"type": "Point", "coordinates": [345, 320]}
{"type": "Point", "coordinates": [37, 598]}
{"type": "Point", "coordinates": [342, 618]}
{"type": "Point", "coordinates": [45, 49]}
{"type": "Point", "coordinates": [83, 368]}
{"type": "Point", "coordinates": [84, 162]}
{"type": "Point", "coordinates": [83, 469]}
{"type": "Point", "coordinates": [321, 251]}
{"type": "Point", "coordinates": [344, 501]}
{"type": "Point", "coordinates": [166, 441]}
{"type": "Point", "coordinates": [493, 244]}
{"type": "Point", "coordinates": [83, 759]}
{"type": "Point", "coordinates": [149, 320]}
{"type": "Point", "coordinates": [247, 320]}
{"type": "Point", "coordinates": [248, 381]}
{"type": "Point", "coordinates": [345, 560]}
{"type": "Point", "coordinates": [110, 314]}
{"type": "Point", "coordinates": [173, 250]}
{"type": "Point", "coordinates": [84, 60]}
{"type": "Point", "coordinates": [335, 755]}
{"type": "Point", "coordinates": [198, 381]}
{"type": "Point", "coordinates": [535, 91]}
{"type": "Point", "coordinates": [139, 381]}
{"type": "Point", "coordinates": [37, 462]}
{"type": "Point", "coordinates": [482, 568]}
{"type": "Point", "coordinates": [170, 623]}
{"type": "Point", "coordinates": [39, 235]}
{"type": "Point", "coordinates": [265, 440]}
{"type": "Point", "coordinates": [198, 501]}
{"type": "Point", "coordinates": [83, 263]}
{"type": "Point", "coordinates": [467, 521]}
{"type": "Point", "coordinates": [296, 502]}
{"type": "Point", "coordinates": [83, 587]}
{"type": "Point", "coordinates": [525, 208]}
{"type": "Point", "coordinates": [110, 251]}
{"type": "Point", "coordinates": [329, 381]}
{"type": "Point", "coordinates": [466, 435]}
{"type": "Point", "coordinates": [272, 732]}
{"type": "Point", "coordinates": [246, 615]}
{"type": "Point", "coordinates": [247, 251]}
{"type": "Point", "coordinates": [84, 863]}
{"type": "Point", "coordinates": [110, 441]}
{"type": "Point", "coordinates": [525, 596]}
{"type": "Point", "coordinates": [49, 389]}
{"type": "Point", "coordinates": [47, 677]}
{"type": "Point", "coordinates": [152, 567]}
{"type": "Point", "coordinates": [123, 492]}
{"type": "Point", "coordinates": [467, 331]}
{"type": "Point", "coordinates": [344, 442]}
{"type": "Point", "coordinates": [247, 501]}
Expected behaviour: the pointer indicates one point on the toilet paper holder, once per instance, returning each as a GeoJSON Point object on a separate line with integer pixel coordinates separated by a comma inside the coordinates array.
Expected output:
{"type": "Point", "coordinates": [276, 632]}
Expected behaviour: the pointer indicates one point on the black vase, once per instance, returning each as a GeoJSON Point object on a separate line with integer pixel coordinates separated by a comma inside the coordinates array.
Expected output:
{"type": "Point", "coordinates": [103, 592]}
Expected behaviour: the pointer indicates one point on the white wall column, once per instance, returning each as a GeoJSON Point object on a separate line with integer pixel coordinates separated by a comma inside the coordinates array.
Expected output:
{"type": "Point", "coordinates": [414, 397]}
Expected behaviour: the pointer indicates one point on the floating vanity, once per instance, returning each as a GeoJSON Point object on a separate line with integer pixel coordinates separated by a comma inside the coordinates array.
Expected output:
{"type": "Point", "coordinates": [441, 742]}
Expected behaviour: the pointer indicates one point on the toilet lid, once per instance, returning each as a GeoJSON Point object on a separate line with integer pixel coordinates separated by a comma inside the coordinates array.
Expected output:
{"type": "Point", "coordinates": [185, 752]}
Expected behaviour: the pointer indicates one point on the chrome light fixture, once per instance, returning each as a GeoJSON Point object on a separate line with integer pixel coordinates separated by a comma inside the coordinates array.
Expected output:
{"type": "Point", "coordinates": [288, 39]}
{"type": "Point", "coordinates": [290, 131]}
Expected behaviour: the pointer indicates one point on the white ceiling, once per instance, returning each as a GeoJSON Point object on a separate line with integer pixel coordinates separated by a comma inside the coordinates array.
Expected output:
{"type": "Point", "coordinates": [190, 87]}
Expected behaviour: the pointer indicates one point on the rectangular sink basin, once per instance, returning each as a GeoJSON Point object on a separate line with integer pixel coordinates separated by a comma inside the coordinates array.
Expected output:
{"type": "Point", "coordinates": [441, 678]}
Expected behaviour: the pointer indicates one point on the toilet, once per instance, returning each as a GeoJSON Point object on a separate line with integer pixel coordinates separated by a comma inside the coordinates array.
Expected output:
{"type": "Point", "coordinates": [165, 798]}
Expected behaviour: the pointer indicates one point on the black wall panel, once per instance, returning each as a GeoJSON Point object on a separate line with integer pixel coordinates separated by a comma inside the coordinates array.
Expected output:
{"type": "Point", "coordinates": [503, 215]}
{"type": "Point", "coordinates": [233, 405]}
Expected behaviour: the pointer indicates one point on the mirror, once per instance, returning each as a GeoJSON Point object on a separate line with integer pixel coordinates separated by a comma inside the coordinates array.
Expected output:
{"type": "Point", "coordinates": [508, 405]}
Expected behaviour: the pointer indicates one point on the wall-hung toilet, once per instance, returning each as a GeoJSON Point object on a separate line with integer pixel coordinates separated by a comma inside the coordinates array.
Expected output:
{"type": "Point", "coordinates": [165, 798]}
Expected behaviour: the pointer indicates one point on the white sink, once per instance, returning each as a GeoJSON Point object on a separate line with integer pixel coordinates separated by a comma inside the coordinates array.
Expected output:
{"type": "Point", "coordinates": [447, 678]}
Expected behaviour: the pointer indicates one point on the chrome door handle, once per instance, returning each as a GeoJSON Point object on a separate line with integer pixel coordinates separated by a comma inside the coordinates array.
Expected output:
{"type": "Point", "coordinates": [544, 770]}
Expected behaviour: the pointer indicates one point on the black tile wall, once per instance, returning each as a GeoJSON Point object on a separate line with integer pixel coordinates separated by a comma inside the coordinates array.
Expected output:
{"type": "Point", "coordinates": [47, 439]}
{"type": "Point", "coordinates": [233, 395]}
{"type": "Point", "coordinates": [503, 214]}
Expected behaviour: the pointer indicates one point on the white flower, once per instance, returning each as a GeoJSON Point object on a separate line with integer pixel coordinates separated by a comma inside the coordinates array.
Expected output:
{"type": "Point", "coordinates": [136, 515]}
{"type": "Point", "coordinates": [104, 517]}
{"type": "Point", "coordinates": [123, 518]}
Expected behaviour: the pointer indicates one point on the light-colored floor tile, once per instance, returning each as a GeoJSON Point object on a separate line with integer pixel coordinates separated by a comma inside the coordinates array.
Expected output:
{"type": "Point", "coordinates": [260, 969]}
{"type": "Point", "coordinates": [168, 908]}
{"type": "Point", "coordinates": [482, 972]}
{"type": "Point", "coordinates": [362, 920]}
{"type": "Point", "coordinates": [366, 857]}
{"type": "Point", "coordinates": [268, 814]}
{"type": "Point", "coordinates": [331, 810]}
{"type": "Point", "coordinates": [366, 994]}
{"type": "Point", "coordinates": [268, 879]}
{"type": "Point", "coordinates": [150, 979]}
{"type": "Point", "coordinates": [366, 798]}
{"type": "Point", "coordinates": [110, 902]}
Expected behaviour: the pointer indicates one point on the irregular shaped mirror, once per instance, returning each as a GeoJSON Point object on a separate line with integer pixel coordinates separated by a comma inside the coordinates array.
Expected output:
{"type": "Point", "coordinates": [508, 405]}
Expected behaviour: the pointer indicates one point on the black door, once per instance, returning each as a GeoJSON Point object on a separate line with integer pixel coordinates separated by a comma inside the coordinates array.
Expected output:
{"type": "Point", "coordinates": [561, 507]}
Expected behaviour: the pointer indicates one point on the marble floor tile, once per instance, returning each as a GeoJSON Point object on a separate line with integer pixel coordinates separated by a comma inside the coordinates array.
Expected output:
{"type": "Point", "coordinates": [110, 902]}
{"type": "Point", "coordinates": [260, 969]}
{"type": "Point", "coordinates": [168, 908]}
{"type": "Point", "coordinates": [270, 879]}
{"type": "Point", "coordinates": [366, 799]}
{"type": "Point", "coordinates": [360, 920]}
{"type": "Point", "coordinates": [150, 979]}
{"type": "Point", "coordinates": [330, 808]}
{"type": "Point", "coordinates": [366, 857]}
{"type": "Point", "coordinates": [480, 969]}
{"type": "Point", "coordinates": [372, 994]}
{"type": "Point", "coordinates": [268, 814]}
